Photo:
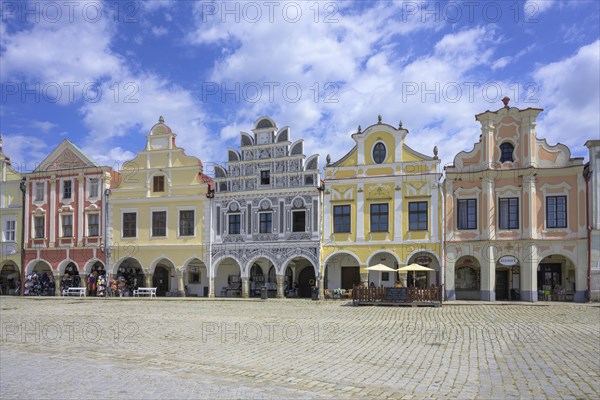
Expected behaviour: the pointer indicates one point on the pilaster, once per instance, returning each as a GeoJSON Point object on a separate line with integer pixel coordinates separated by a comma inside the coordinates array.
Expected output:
{"type": "Point", "coordinates": [360, 214]}
{"type": "Point", "coordinates": [280, 281]}
{"type": "Point", "coordinates": [245, 287]}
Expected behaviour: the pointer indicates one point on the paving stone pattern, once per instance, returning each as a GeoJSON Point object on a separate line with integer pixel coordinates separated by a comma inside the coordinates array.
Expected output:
{"type": "Point", "coordinates": [222, 349]}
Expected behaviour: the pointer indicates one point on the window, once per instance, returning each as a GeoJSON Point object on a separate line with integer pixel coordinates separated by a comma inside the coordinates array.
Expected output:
{"type": "Point", "coordinates": [158, 184]}
{"type": "Point", "coordinates": [341, 219]}
{"type": "Point", "coordinates": [129, 224]}
{"type": "Point", "coordinates": [159, 223]}
{"type": "Point", "coordinates": [39, 191]}
{"type": "Point", "coordinates": [265, 178]}
{"type": "Point", "coordinates": [234, 224]}
{"type": "Point", "coordinates": [67, 225]}
{"type": "Point", "coordinates": [556, 211]}
{"type": "Point", "coordinates": [506, 152]}
{"type": "Point", "coordinates": [39, 227]}
{"type": "Point", "coordinates": [467, 214]}
{"type": "Point", "coordinates": [9, 230]}
{"type": "Point", "coordinates": [93, 225]}
{"type": "Point", "coordinates": [299, 221]}
{"type": "Point", "coordinates": [186, 223]}
{"type": "Point", "coordinates": [194, 276]}
{"type": "Point", "coordinates": [94, 186]}
{"type": "Point", "coordinates": [265, 222]}
{"type": "Point", "coordinates": [379, 217]}
{"type": "Point", "coordinates": [67, 189]}
{"type": "Point", "coordinates": [509, 213]}
{"type": "Point", "coordinates": [417, 216]}
{"type": "Point", "coordinates": [379, 153]}
{"type": "Point", "coordinates": [385, 276]}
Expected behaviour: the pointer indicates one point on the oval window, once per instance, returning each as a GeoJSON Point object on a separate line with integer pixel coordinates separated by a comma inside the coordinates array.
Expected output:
{"type": "Point", "coordinates": [379, 153]}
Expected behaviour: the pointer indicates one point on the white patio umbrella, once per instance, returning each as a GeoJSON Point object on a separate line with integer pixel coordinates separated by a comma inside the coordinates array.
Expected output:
{"type": "Point", "coordinates": [381, 268]}
{"type": "Point", "coordinates": [414, 267]}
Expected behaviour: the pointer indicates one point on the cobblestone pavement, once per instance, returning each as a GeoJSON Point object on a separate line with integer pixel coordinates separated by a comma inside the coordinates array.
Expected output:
{"type": "Point", "coordinates": [192, 348]}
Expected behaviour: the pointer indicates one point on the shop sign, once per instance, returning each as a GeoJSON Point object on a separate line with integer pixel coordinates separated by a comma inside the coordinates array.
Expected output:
{"type": "Point", "coordinates": [423, 260]}
{"type": "Point", "coordinates": [508, 261]}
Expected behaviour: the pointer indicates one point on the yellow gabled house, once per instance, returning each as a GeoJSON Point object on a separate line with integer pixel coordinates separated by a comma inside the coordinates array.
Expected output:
{"type": "Point", "coordinates": [159, 215]}
{"type": "Point", "coordinates": [11, 208]}
{"type": "Point", "coordinates": [382, 205]}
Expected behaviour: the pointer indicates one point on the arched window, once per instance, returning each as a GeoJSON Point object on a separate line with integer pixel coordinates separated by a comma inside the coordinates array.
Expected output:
{"type": "Point", "coordinates": [379, 153]}
{"type": "Point", "coordinates": [506, 152]}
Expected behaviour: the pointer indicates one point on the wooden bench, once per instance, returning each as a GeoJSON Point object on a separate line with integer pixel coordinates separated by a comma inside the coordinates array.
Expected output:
{"type": "Point", "coordinates": [74, 290]}
{"type": "Point", "coordinates": [150, 291]}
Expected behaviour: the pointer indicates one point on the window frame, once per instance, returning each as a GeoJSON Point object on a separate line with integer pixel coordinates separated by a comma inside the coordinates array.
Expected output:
{"type": "Point", "coordinates": [566, 221]}
{"type": "Point", "coordinates": [64, 189]}
{"type": "Point", "coordinates": [192, 226]}
{"type": "Point", "coordinates": [298, 212]}
{"type": "Point", "coordinates": [237, 223]}
{"type": "Point", "coordinates": [37, 185]}
{"type": "Point", "coordinates": [153, 228]}
{"type": "Point", "coordinates": [265, 174]}
{"type": "Point", "coordinates": [63, 225]}
{"type": "Point", "coordinates": [500, 214]}
{"type": "Point", "coordinates": [419, 214]}
{"type": "Point", "coordinates": [379, 214]}
{"type": "Point", "coordinates": [135, 225]}
{"type": "Point", "coordinates": [158, 184]}
{"type": "Point", "coordinates": [379, 144]}
{"type": "Point", "coordinates": [36, 226]}
{"type": "Point", "coordinates": [89, 224]}
{"type": "Point", "coordinates": [467, 225]}
{"type": "Point", "coordinates": [269, 222]}
{"type": "Point", "coordinates": [342, 215]}
{"type": "Point", "coordinates": [6, 230]}
{"type": "Point", "coordinates": [91, 183]}
{"type": "Point", "coordinates": [502, 152]}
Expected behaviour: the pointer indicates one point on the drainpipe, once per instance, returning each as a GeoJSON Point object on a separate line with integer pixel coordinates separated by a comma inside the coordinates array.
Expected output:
{"type": "Point", "coordinates": [588, 293]}
{"type": "Point", "coordinates": [211, 195]}
{"type": "Point", "coordinates": [23, 187]}
{"type": "Point", "coordinates": [107, 193]}
{"type": "Point", "coordinates": [443, 241]}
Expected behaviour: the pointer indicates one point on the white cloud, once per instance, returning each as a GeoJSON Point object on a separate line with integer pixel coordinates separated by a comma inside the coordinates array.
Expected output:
{"type": "Point", "coordinates": [501, 63]}
{"type": "Point", "coordinates": [24, 151]}
{"type": "Point", "coordinates": [535, 7]}
{"type": "Point", "coordinates": [44, 126]}
{"type": "Point", "coordinates": [570, 93]}
{"type": "Point", "coordinates": [159, 31]}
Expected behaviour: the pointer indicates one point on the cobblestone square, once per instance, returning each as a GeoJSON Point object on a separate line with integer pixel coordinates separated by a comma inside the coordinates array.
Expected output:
{"type": "Point", "coordinates": [191, 348]}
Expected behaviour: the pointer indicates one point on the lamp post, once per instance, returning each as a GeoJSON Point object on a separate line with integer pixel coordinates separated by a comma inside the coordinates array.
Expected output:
{"type": "Point", "coordinates": [23, 187]}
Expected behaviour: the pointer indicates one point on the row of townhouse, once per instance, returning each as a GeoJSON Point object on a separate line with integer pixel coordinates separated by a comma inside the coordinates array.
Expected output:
{"type": "Point", "coordinates": [514, 218]}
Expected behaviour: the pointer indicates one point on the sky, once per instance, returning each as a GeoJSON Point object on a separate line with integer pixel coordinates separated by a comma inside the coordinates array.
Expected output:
{"type": "Point", "coordinates": [101, 73]}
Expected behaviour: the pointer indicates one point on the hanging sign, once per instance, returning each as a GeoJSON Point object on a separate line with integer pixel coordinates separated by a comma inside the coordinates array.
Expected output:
{"type": "Point", "coordinates": [423, 260]}
{"type": "Point", "coordinates": [508, 261]}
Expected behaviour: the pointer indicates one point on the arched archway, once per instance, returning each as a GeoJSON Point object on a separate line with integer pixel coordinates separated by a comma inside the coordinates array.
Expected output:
{"type": "Point", "coordinates": [10, 278]}
{"type": "Point", "coordinates": [195, 278]}
{"type": "Point", "coordinates": [260, 272]}
{"type": "Point", "coordinates": [163, 278]}
{"type": "Point", "coordinates": [342, 270]}
{"type": "Point", "coordinates": [130, 276]}
{"type": "Point", "coordinates": [424, 278]}
{"type": "Point", "coordinates": [293, 286]}
{"type": "Point", "coordinates": [382, 278]}
{"type": "Point", "coordinates": [39, 279]}
{"type": "Point", "coordinates": [228, 281]}
{"type": "Point", "coordinates": [467, 278]}
{"type": "Point", "coordinates": [556, 278]}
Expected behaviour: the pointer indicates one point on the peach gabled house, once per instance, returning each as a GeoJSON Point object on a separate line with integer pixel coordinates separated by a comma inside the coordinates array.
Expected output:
{"type": "Point", "coordinates": [515, 215]}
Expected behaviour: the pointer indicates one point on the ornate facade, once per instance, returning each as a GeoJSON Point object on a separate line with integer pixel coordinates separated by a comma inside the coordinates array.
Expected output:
{"type": "Point", "coordinates": [266, 228]}
{"type": "Point", "coordinates": [381, 206]}
{"type": "Point", "coordinates": [160, 216]}
{"type": "Point", "coordinates": [515, 215]}
{"type": "Point", "coordinates": [65, 215]}
{"type": "Point", "coordinates": [592, 175]}
{"type": "Point", "coordinates": [11, 202]}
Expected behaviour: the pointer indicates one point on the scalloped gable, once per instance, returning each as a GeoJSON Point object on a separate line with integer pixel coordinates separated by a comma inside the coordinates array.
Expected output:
{"type": "Point", "coordinates": [65, 156]}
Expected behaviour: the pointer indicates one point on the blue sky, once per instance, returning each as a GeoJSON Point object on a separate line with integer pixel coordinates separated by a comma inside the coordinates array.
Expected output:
{"type": "Point", "coordinates": [101, 73]}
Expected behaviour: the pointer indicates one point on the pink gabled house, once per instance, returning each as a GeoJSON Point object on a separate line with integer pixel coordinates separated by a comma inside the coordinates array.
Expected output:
{"type": "Point", "coordinates": [65, 215]}
{"type": "Point", "coordinates": [515, 215]}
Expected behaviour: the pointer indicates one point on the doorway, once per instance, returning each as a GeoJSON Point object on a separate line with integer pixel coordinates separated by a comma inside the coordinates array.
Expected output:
{"type": "Point", "coordinates": [306, 280]}
{"type": "Point", "coordinates": [350, 277]}
{"type": "Point", "coordinates": [501, 284]}
{"type": "Point", "coordinates": [161, 280]}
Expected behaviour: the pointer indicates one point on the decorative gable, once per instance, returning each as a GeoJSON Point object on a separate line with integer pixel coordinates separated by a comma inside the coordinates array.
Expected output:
{"type": "Point", "coordinates": [65, 156]}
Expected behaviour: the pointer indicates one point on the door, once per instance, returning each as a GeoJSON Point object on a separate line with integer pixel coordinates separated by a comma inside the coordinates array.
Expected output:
{"type": "Point", "coordinates": [549, 276]}
{"type": "Point", "coordinates": [161, 280]}
{"type": "Point", "coordinates": [306, 279]}
{"type": "Point", "coordinates": [350, 277]}
{"type": "Point", "coordinates": [502, 285]}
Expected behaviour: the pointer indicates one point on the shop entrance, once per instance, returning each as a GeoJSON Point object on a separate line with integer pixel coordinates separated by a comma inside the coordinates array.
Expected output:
{"type": "Point", "coordinates": [350, 277]}
{"type": "Point", "coordinates": [549, 276]}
